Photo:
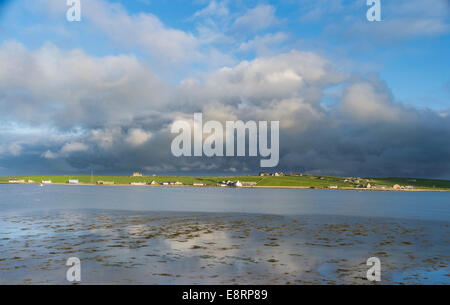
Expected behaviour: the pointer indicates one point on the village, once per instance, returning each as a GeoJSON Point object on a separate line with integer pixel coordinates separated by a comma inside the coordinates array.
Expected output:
{"type": "Point", "coordinates": [319, 182]}
{"type": "Point", "coordinates": [227, 183]}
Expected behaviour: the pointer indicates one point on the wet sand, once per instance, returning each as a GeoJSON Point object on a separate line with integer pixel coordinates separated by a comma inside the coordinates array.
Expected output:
{"type": "Point", "coordinates": [119, 247]}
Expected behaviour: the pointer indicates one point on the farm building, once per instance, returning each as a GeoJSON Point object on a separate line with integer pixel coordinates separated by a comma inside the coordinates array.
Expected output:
{"type": "Point", "coordinates": [237, 184]}
{"type": "Point", "coordinates": [138, 183]}
{"type": "Point", "coordinates": [105, 182]}
{"type": "Point", "coordinates": [16, 181]}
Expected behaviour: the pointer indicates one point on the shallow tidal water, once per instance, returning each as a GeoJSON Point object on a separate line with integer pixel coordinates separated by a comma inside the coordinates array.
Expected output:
{"type": "Point", "coordinates": [156, 235]}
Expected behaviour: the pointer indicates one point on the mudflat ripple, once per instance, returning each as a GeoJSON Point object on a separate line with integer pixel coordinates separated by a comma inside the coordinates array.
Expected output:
{"type": "Point", "coordinates": [117, 247]}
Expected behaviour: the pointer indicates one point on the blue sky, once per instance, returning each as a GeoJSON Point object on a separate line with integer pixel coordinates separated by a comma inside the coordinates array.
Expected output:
{"type": "Point", "coordinates": [401, 59]}
{"type": "Point", "coordinates": [179, 43]}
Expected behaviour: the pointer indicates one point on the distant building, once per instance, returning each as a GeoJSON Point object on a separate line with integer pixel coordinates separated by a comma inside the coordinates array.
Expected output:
{"type": "Point", "coordinates": [249, 183]}
{"type": "Point", "coordinates": [136, 174]}
{"type": "Point", "coordinates": [16, 181]}
{"type": "Point", "coordinates": [198, 184]}
{"type": "Point", "coordinates": [333, 187]}
{"type": "Point", "coordinates": [74, 181]}
{"type": "Point", "coordinates": [105, 182]}
{"type": "Point", "coordinates": [46, 182]}
{"type": "Point", "coordinates": [237, 184]}
{"type": "Point", "coordinates": [166, 183]}
{"type": "Point", "coordinates": [397, 187]}
{"type": "Point", "coordinates": [30, 181]}
{"type": "Point", "coordinates": [178, 183]}
{"type": "Point", "coordinates": [369, 186]}
{"type": "Point", "coordinates": [153, 182]}
{"type": "Point", "coordinates": [138, 183]}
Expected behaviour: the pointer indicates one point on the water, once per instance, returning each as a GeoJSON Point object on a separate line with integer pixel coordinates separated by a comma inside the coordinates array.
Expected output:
{"type": "Point", "coordinates": [158, 235]}
{"type": "Point", "coordinates": [411, 205]}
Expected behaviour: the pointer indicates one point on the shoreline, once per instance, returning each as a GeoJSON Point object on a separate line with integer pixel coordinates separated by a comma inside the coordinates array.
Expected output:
{"type": "Point", "coordinates": [242, 187]}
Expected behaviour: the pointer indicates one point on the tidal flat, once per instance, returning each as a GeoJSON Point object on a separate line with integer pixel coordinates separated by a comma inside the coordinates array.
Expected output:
{"type": "Point", "coordinates": [120, 247]}
{"type": "Point", "coordinates": [142, 235]}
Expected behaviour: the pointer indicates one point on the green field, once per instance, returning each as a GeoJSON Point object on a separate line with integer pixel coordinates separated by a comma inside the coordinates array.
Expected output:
{"type": "Point", "coordinates": [311, 181]}
{"type": "Point", "coordinates": [417, 183]}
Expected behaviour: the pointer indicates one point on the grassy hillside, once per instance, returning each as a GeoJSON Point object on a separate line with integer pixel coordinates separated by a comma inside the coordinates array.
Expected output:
{"type": "Point", "coordinates": [87, 179]}
{"type": "Point", "coordinates": [417, 183]}
{"type": "Point", "coordinates": [304, 181]}
{"type": "Point", "coordinates": [312, 181]}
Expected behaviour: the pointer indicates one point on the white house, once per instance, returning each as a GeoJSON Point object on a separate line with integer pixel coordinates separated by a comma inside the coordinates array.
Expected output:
{"type": "Point", "coordinates": [105, 182]}
{"type": "Point", "coordinates": [46, 181]}
{"type": "Point", "coordinates": [237, 184]}
{"type": "Point", "coordinates": [16, 181]}
{"type": "Point", "coordinates": [74, 181]}
{"type": "Point", "coordinates": [138, 183]}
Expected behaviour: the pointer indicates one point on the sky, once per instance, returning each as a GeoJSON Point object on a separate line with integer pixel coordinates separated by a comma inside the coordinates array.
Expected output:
{"type": "Point", "coordinates": [353, 97]}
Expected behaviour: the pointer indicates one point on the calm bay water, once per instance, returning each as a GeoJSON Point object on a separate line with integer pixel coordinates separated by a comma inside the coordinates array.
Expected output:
{"type": "Point", "coordinates": [411, 205]}
{"type": "Point", "coordinates": [160, 235]}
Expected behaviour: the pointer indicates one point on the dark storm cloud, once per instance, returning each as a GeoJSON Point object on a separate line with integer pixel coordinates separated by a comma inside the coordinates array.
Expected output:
{"type": "Point", "coordinates": [65, 111]}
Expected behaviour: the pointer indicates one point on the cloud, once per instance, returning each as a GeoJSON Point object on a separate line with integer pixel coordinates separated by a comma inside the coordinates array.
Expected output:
{"type": "Point", "coordinates": [137, 137]}
{"type": "Point", "coordinates": [263, 44]}
{"type": "Point", "coordinates": [70, 88]}
{"type": "Point", "coordinates": [165, 45]}
{"type": "Point", "coordinates": [370, 101]}
{"type": "Point", "coordinates": [214, 9]}
{"type": "Point", "coordinates": [113, 114]}
{"type": "Point", "coordinates": [256, 19]}
{"type": "Point", "coordinates": [401, 20]}
{"type": "Point", "coordinates": [73, 147]}
{"type": "Point", "coordinates": [13, 149]}
{"type": "Point", "coordinates": [49, 155]}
